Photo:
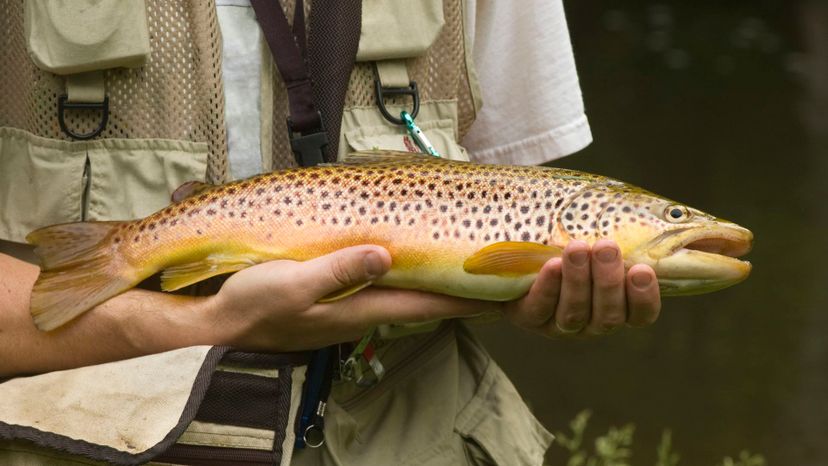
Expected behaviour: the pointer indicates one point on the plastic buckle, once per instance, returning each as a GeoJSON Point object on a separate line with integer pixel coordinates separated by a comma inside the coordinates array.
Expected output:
{"type": "Point", "coordinates": [102, 106]}
{"type": "Point", "coordinates": [381, 92]}
{"type": "Point", "coordinates": [307, 148]}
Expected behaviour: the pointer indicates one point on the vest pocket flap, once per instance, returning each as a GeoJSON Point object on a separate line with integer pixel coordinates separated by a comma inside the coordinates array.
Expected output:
{"type": "Point", "coordinates": [398, 28]}
{"type": "Point", "coordinates": [439, 132]}
{"type": "Point", "coordinates": [497, 412]}
{"type": "Point", "coordinates": [66, 37]}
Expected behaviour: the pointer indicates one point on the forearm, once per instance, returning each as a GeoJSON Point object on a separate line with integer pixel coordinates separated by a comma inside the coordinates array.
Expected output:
{"type": "Point", "coordinates": [135, 323]}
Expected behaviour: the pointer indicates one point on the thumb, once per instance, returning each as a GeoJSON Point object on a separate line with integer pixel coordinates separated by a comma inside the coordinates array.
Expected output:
{"type": "Point", "coordinates": [342, 269]}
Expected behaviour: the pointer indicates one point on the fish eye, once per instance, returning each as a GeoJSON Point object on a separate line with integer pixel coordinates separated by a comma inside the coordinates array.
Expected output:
{"type": "Point", "coordinates": [677, 214]}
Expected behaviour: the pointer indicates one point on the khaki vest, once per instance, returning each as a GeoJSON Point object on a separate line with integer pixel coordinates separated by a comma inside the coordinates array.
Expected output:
{"type": "Point", "coordinates": [166, 120]}
{"type": "Point", "coordinates": [166, 126]}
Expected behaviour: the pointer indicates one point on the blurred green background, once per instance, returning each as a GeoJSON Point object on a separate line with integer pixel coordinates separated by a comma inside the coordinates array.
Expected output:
{"type": "Point", "coordinates": [722, 105]}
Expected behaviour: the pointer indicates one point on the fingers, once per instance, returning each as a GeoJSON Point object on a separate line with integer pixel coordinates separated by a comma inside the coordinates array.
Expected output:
{"type": "Point", "coordinates": [538, 307]}
{"type": "Point", "coordinates": [376, 306]}
{"type": "Point", "coordinates": [573, 310]}
{"type": "Point", "coordinates": [342, 269]}
{"type": "Point", "coordinates": [587, 292]}
{"type": "Point", "coordinates": [643, 296]}
{"type": "Point", "coordinates": [609, 305]}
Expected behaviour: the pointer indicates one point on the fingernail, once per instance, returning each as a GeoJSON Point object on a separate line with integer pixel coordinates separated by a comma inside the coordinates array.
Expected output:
{"type": "Point", "coordinates": [642, 280]}
{"type": "Point", "coordinates": [578, 258]}
{"type": "Point", "coordinates": [374, 264]}
{"type": "Point", "coordinates": [607, 255]}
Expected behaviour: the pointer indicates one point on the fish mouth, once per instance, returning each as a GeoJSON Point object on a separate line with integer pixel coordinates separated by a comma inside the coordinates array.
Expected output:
{"type": "Point", "coordinates": [699, 259]}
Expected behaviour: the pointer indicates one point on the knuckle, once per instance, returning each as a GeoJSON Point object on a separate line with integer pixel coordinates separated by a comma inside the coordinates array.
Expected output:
{"type": "Point", "coordinates": [611, 321]}
{"type": "Point", "coordinates": [342, 273]}
{"type": "Point", "coordinates": [607, 284]}
{"type": "Point", "coordinates": [576, 303]}
{"type": "Point", "coordinates": [571, 321]}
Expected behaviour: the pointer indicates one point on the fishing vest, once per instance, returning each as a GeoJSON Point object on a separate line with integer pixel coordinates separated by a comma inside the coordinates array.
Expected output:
{"type": "Point", "coordinates": [165, 121]}
{"type": "Point", "coordinates": [145, 83]}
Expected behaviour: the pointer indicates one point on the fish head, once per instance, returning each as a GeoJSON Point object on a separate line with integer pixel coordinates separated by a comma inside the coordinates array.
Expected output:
{"type": "Point", "coordinates": [692, 252]}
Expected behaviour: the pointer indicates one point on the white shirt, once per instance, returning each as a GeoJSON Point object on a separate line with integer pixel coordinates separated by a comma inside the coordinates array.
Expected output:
{"type": "Point", "coordinates": [532, 112]}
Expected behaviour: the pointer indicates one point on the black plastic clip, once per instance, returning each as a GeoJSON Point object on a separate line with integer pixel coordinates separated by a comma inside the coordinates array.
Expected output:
{"type": "Point", "coordinates": [63, 105]}
{"type": "Point", "coordinates": [381, 92]}
{"type": "Point", "coordinates": [307, 148]}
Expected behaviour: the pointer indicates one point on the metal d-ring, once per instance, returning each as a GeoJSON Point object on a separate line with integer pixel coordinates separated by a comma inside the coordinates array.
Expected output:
{"type": "Point", "coordinates": [102, 106]}
{"type": "Point", "coordinates": [381, 92]}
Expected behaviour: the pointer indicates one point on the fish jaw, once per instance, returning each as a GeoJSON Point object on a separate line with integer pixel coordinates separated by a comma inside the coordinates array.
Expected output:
{"type": "Point", "coordinates": [696, 260]}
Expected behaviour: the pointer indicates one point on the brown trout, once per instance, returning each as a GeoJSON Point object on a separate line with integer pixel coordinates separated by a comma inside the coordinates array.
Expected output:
{"type": "Point", "coordinates": [462, 229]}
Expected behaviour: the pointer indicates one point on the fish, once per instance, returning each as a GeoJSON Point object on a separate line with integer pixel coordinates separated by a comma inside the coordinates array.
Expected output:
{"type": "Point", "coordinates": [456, 228]}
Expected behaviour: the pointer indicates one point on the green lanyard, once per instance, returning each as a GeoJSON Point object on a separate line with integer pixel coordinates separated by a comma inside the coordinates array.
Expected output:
{"type": "Point", "coordinates": [417, 135]}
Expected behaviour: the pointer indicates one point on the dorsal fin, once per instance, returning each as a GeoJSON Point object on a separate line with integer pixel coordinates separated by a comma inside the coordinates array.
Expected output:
{"type": "Point", "coordinates": [189, 189]}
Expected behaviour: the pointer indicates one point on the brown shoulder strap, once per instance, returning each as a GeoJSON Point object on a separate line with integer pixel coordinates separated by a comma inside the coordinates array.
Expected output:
{"type": "Point", "coordinates": [316, 87]}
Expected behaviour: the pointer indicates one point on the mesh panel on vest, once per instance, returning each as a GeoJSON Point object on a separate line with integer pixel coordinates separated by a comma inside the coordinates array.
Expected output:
{"type": "Point", "coordinates": [176, 95]}
{"type": "Point", "coordinates": [440, 75]}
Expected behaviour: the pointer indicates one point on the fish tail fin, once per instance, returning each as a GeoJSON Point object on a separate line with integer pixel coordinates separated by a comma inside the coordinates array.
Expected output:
{"type": "Point", "coordinates": [79, 270]}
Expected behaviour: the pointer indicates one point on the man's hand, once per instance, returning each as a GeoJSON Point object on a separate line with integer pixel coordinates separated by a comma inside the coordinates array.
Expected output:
{"type": "Point", "coordinates": [587, 293]}
{"type": "Point", "coordinates": [274, 306]}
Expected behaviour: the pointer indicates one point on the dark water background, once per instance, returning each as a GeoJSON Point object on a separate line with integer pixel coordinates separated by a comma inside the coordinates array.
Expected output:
{"type": "Point", "coordinates": [722, 105]}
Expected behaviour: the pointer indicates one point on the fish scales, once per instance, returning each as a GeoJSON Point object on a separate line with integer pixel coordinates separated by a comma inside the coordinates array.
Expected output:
{"type": "Point", "coordinates": [479, 231]}
{"type": "Point", "coordinates": [407, 207]}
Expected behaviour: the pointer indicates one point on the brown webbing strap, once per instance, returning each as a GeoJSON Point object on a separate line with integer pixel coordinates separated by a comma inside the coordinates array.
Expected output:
{"type": "Point", "coordinates": [331, 54]}
{"type": "Point", "coordinates": [288, 50]}
{"type": "Point", "coordinates": [317, 86]}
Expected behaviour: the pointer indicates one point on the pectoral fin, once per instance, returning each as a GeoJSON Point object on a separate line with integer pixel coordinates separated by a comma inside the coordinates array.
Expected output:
{"type": "Point", "coordinates": [344, 293]}
{"type": "Point", "coordinates": [510, 258]}
{"type": "Point", "coordinates": [183, 275]}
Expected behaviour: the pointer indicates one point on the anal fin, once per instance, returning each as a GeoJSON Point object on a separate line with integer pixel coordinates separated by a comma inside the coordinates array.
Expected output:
{"type": "Point", "coordinates": [182, 275]}
{"type": "Point", "coordinates": [510, 258]}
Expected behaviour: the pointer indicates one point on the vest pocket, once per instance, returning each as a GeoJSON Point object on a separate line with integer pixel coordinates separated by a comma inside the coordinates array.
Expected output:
{"type": "Point", "coordinates": [41, 183]}
{"type": "Point", "coordinates": [46, 181]}
{"type": "Point", "coordinates": [364, 128]}
{"type": "Point", "coordinates": [78, 36]}
{"type": "Point", "coordinates": [398, 28]}
{"type": "Point", "coordinates": [379, 137]}
{"type": "Point", "coordinates": [498, 427]}
{"type": "Point", "coordinates": [132, 178]}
